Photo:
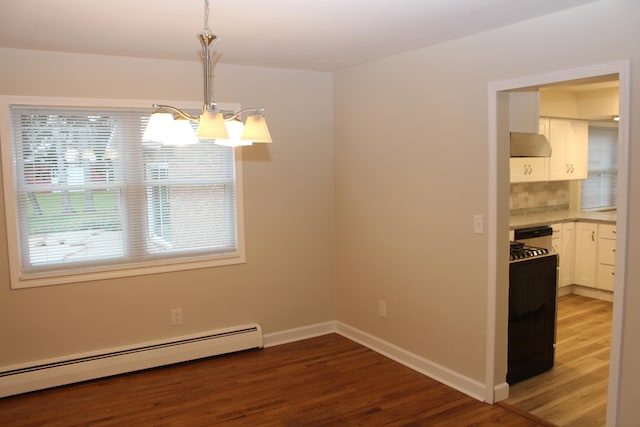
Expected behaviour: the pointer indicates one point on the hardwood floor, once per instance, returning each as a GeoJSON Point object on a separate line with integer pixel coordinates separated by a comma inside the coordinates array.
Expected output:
{"type": "Point", "coordinates": [574, 392]}
{"type": "Point", "coordinates": [324, 381]}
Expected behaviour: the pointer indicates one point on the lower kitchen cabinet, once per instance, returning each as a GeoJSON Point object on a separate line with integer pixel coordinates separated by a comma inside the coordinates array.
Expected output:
{"type": "Point", "coordinates": [567, 253]}
{"type": "Point", "coordinates": [605, 271]}
{"type": "Point", "coordinates": [586, 255]}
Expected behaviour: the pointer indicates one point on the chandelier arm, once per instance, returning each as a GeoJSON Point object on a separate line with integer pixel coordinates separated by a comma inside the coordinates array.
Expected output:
{"type": "Point", "coordinates": [181, 113]}
{"type": "Point", "coordinates": [244, 110]}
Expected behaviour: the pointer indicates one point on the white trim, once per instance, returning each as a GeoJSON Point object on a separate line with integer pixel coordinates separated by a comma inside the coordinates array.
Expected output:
{"type": "Point", "coordinates": [622, 223]}
{"type": "Point", "coordinates": [591, 293]}
{"type": "Point", "coordinates": [492, 230]}
{"type": "Point", "coordinates": [20, 280]}
{"type": "Point", "coordinates": [298, 334]}
{"type": "Point", "coordinates": [623, 69]}
{"type": "Point", "coordinates": [501, 392]}
{"type": "Point", "coordinates": [61, 372]}
{"type": "Point", "coordinates": [74, 368]}
{"type": "Point", "coordinates": [411, 360]}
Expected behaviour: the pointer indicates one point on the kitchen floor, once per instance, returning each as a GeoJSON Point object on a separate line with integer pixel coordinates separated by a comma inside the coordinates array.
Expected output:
{"type": "Point", "coordinates": [574, 392]}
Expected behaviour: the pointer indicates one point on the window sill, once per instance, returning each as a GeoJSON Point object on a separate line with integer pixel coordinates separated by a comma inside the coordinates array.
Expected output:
{"type": "Point", "coordinates": [63, 277]}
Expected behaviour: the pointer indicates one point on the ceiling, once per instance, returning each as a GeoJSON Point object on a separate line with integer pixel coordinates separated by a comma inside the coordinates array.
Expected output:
{"type": "Point", "coordinates": [322, 35]}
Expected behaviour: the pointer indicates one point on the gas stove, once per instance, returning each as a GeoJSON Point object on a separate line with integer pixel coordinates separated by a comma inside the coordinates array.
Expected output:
{"type": "Point", "coordinates": [520, 251]}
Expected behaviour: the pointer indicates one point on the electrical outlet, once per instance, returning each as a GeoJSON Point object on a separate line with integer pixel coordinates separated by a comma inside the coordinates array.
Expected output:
{"type": "Point", "coordinates": [176, 316]}
{"type": "Point", "coordinates": [382, 308]}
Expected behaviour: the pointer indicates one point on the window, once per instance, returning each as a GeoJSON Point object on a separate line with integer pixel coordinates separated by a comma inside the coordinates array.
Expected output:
{"type": "Point", "coordinates": [599, 189]}
{"type": "Point", "coordinates": [90, 199]}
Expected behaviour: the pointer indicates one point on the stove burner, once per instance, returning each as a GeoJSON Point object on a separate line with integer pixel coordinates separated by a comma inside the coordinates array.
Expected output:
{"type": "Point", "coordinates": [519, 251]}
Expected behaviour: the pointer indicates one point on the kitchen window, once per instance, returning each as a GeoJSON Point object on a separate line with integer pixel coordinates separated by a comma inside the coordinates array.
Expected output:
{"type": "Point", "coordinates": [599, 190]}
{"type": "Point", "coordinates": [89, 199]}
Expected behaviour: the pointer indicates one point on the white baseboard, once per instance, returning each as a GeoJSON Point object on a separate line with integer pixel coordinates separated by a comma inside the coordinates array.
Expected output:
{"type": "Point", "coordinates": [500, 392]}
{"type": "Point", "coordinates": [565, 290]}
{"type": "Point", "coordinates": [592, 293]}
{"type": "Point", "coordinates": [426, 367]}
{"type": "Point", "coordinates": [100, 367]}
{"type": "Point", "coordinates": [298, 334]}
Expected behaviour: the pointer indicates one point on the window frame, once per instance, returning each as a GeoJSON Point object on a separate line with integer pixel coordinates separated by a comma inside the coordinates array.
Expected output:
{"type": "Point", "coordinates": [607, 126]}
{"type": "Point", "coordinates": [20, 280]}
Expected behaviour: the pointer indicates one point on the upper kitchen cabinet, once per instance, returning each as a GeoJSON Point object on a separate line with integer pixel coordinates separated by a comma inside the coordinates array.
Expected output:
{"type": "Point", "coordinates": [528, 169]}
{"type": "Point", "coordinates": [569, 148]}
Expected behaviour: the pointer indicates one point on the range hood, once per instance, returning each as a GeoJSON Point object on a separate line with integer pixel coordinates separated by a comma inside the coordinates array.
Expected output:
{"type": "Point", "coordinates": [529, 145]}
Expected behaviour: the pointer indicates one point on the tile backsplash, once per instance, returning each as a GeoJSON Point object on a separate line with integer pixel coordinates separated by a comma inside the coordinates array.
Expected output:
{"type": "Point", "coordinates": [534, 197]}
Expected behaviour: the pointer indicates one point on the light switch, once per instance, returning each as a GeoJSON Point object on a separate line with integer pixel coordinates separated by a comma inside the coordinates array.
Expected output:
{"type": "Point", "coordinates": [478, 224]}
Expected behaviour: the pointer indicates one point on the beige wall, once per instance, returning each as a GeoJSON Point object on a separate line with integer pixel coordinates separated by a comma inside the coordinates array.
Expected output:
{"type": "Point", "coordinates": [411, 170]}
{"type": "Point", "coordinates": [289, 278]}
{"type": "Point", "coordinates": [598, 104]}
{"type": "Point", "coordinates": [412, 160]}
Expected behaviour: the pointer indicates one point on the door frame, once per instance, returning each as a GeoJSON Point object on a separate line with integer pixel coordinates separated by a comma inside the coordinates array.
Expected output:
{"type": "Point", "coordinates": [498, 225]}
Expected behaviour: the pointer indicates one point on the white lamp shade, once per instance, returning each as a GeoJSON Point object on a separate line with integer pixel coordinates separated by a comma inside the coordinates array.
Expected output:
{"type": "Point", "coordinates": [158, 127]}
{"type": "Point", "coordinates": [212, 126]}
{"type": "Point", "coordinates": [234, 129]}
{"type": "Point", "coordinates": [180, 134]}
{"type": "Point", "coordinates": [255, 129]}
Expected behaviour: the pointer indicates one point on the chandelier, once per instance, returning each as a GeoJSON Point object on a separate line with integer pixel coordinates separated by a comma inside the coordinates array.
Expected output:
{"type": "Point", "coordinates": [171, 126]}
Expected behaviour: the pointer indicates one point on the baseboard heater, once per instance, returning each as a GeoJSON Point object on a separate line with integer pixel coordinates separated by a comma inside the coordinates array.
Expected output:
{"type": "Point", "coordinates": [81, 367]}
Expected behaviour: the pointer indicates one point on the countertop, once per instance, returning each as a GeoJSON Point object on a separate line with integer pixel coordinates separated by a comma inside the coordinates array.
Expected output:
{"type": "Point", "coordinates": [547, 218]}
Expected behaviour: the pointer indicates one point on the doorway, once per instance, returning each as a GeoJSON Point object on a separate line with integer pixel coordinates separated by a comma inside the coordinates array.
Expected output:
{"type": "Point", "coordinates": [497, 389]}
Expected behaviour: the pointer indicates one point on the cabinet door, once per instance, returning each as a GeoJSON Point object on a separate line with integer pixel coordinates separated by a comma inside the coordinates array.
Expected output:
{"type": "Point", "coordinates": [528, 169]}
{"type": "Point", "coordinates": [586, 254]}
{"type": "Point", "coordinates": [607, 231]}
{"type": "Point", "coordinates": [559, 135]}
{"type": "Point", "coordinates": [606, 277]}
{"type": "Point", "coordinates": [569, 149]}
{"type": "Point", "coordinates": [578, 150]}
{"type": "Point", "coordinates": [607, 251]}
{"type": "Point", "coordinates": [567, 254]}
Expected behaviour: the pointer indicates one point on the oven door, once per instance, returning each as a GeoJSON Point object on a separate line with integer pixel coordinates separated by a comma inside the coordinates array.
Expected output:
{"type": "Point", "coordinates": [532, 317]}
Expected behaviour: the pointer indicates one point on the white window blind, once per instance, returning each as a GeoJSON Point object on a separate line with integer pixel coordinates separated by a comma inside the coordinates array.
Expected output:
{"type": "Point", "coordinates": [599, 190]}
{"type": "Point", "coordinates": [90, 194]}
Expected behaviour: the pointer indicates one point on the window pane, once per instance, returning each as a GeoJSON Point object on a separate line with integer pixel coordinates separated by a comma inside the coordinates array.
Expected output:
{"type": "Point", "coordinates": [72, 226]}
{"type": "Point", "coordinates": [599, 189]}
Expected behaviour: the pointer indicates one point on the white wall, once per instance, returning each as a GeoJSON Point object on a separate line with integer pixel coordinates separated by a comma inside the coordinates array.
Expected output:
{"type": "Point", "coordinates": [289, 278]}
{"type": "Point", "coordinates": [411, 150]}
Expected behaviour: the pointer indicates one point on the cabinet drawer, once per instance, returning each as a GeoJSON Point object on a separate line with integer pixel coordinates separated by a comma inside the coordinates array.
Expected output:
{"type": "Point", "coordinates": [605, 277]}
{"type": "Point", "coordinates": [607, 251]}
{"type": "Point", "coordinates": [607, 231]}
{"type": "Point", "coordinates": [557, 230]}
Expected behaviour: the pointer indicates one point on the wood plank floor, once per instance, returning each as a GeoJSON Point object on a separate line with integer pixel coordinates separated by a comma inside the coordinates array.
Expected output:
{"type": "Point", "coordinates": [574, 392]}
{"type": "Point", "coordinates": [324, 381]}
